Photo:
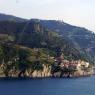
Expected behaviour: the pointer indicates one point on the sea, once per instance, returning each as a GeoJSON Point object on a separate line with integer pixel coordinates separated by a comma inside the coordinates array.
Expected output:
{"type": "Point", "coordinates": [48, 86]}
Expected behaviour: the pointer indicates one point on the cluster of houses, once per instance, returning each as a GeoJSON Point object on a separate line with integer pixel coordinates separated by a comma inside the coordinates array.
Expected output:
{"type": "Point", "coordinates": [78, 67]}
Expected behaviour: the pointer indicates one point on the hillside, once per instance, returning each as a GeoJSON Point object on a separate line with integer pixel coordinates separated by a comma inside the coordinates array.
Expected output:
{"type": "Point", "coordinates": [81, 38]}
{"type": "Point", "coordinates": [30, 47]}
{"type": "Point", "coordinates": [4, 17]}
{"type": "Point", "coordinates": [34, 35]}
{"type": "Point", "coordinates": [44, 47]}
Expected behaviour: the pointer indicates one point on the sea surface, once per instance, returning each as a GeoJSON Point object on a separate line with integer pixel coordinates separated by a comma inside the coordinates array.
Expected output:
{"type": "Point", "coordinates": [48, 86]}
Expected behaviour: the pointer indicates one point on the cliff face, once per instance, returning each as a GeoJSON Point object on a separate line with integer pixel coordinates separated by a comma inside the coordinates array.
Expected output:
{"type": "Point", "coordinates": [47, 72]}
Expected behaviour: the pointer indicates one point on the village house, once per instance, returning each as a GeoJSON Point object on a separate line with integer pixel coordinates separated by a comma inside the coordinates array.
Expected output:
{"type": "Point", "coordinates": [79, 67]}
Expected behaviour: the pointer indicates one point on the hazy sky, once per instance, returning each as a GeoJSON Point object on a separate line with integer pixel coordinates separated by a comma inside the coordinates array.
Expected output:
{"type": "Point", "coordinates": [76, 12]}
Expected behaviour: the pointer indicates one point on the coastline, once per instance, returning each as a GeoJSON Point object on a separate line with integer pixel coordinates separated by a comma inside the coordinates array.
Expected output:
{"type": "Point", "coordinates": [51, 77]}
{"type": "Point", "coordinates": [47, 73]}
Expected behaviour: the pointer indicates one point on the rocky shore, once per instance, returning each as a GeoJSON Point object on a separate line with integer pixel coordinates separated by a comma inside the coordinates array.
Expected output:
{"type": "Point", "coordinates": [46, 72]}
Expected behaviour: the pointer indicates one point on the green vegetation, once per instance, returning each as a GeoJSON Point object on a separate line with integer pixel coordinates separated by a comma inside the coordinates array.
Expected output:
{"type": "Point", "coordinates": [28, 46]}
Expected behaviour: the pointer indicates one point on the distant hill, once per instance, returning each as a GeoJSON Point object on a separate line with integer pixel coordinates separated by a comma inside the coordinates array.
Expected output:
{"type": "Point", "coordinates": [4, 17]}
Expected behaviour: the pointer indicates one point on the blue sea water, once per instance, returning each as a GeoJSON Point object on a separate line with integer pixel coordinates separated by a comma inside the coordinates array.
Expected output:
{"type": "Point", "coordinates": [48, 86]}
